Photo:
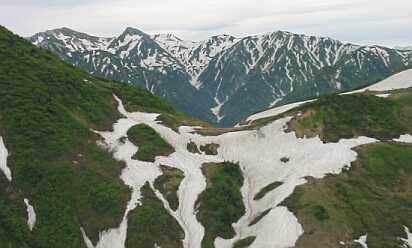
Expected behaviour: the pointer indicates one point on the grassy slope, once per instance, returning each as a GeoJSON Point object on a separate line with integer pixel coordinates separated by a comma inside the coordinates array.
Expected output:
{"type": "Point", "coordinates": [174, 121]}
{"type": "Point", "coordinates": [335, 117]}
{"type": "Point", "coordinates": [13, 227]}
{"type": "Point", "coordinates": [221, 203]}
{"type": "Point", "coordinates": [374, 197]}
{"type": "Point", "coordinates": [149, 142]}
{"type": "Point", "coordinates": [46, 110]}
{"type": "Point", "coordinates": [151, 224]}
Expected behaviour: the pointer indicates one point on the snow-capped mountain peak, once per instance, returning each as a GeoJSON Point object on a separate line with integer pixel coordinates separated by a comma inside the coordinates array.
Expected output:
{"type": "Point", "coordinates": [234, 77]}
{"type": "Point", "coordinates": [71, 40]}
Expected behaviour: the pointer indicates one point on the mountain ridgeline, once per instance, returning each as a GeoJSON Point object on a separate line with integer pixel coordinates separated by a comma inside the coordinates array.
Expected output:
{"type": "Point", "coordinates": [224, 79]}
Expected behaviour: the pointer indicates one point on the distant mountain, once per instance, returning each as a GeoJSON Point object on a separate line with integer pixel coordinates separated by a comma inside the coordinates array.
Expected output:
{"type": "Point", "coordinates": [133, 57]}
{"type": "Point", "coordinates": [223, 79]}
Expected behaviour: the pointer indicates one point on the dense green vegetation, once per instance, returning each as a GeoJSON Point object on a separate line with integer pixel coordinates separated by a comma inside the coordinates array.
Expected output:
{"type": "Point", "coordinates": [221, 203]}
{"type": "Point", "coordinates": [46, 110]}
{"type": "Point", "coordinates": [374, 197]}
{"type": "Point", "coordinates": [346, 116]}
{"type": "Point", "coordinates": [14, 231]}
{"type": "Point", "coordinates": [151, 224]}
{"type": "Point", "coordinates": [149, 142]}
{"type": "Point", "coordinates": [168, 184]}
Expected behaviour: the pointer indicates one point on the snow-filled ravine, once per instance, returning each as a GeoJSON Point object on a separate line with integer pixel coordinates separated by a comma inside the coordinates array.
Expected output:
{"type": "Point", "coordinates": [259, 154]}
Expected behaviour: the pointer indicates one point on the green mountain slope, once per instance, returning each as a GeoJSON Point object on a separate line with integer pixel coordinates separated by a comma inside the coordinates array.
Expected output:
{"type": "Point", "coordinates": [46, 110]}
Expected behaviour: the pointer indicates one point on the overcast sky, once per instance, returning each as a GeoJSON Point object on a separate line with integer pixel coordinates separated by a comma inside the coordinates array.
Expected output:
{"type": "Point", "coordinates": [385, 22]}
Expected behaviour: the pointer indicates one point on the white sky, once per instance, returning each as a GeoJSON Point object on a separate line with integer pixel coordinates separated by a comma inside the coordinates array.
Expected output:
{"type": "Point", "coordinates": [385, 22]}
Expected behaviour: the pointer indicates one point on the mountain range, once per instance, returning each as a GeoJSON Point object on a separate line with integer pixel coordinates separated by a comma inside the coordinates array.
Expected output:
{"type": "Point", "coordinates": [223, 79]}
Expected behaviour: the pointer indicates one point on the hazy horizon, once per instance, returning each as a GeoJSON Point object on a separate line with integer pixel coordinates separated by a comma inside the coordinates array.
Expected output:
{"type": "Point", "coordinates": [356, 21]}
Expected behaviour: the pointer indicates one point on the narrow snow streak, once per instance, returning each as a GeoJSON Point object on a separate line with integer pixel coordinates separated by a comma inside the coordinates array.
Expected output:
{"type": "Point", "coordinates": [383, 95]}
{"type": "Point", "coordinates": [31, 215]}
{"type": "Point", "coordinates": [3, 160]}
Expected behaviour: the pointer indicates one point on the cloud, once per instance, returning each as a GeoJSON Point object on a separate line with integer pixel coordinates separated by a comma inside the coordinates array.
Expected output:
{"type": "Point", "coordinates": [358, 21]}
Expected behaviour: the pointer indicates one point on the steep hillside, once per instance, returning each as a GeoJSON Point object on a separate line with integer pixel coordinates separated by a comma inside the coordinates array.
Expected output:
{"type": "Point", "coordinates": [224, 79]}
{"type": "Point", "coordinates": [47, 108]}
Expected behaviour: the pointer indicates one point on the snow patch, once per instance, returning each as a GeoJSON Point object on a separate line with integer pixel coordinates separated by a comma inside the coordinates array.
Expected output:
{"type": "Point", "coordinates": [216, 110]}
{"type": "Point", "coordinates": [401, 80]}
{"type": "Point", "coordinates": [31, 219]}
{"type": "Point", "coordinates": [3, 160]}
{"type": "Point", "coordinates": [362, 241]}
{"type": "Point", "coordinates": [276, 111]}
{"type": "Point", "coordinates": [383, 95]}
{"type": "Point", "coordinates": [408, 240]}
{"type": "Point", "coordinates": [406, 138]}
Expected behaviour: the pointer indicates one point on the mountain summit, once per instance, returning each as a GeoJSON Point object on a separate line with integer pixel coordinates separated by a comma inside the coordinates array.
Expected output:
{"type": "Point", "coordinates": [223, 79]}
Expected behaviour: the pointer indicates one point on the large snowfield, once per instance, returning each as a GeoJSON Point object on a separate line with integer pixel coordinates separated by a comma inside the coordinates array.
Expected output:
{"type": "Point", "coordinates": [259, 154]}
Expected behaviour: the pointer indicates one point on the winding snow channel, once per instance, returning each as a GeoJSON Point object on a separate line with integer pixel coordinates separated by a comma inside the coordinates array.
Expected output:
{"type": "Point", "coordinates": [259, 154]}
